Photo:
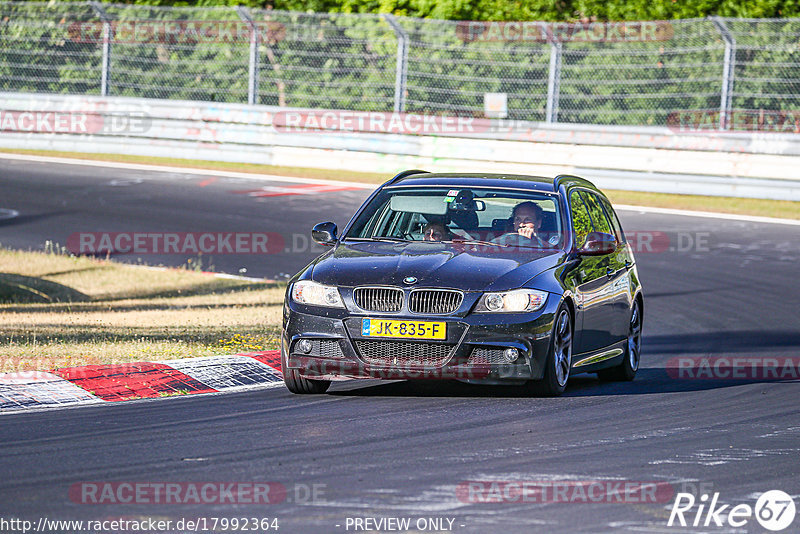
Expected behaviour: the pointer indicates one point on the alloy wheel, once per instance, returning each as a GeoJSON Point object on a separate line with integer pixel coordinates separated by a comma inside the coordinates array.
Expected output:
{"type": "Point", "coordinates": [562, 354]}
{"type": "Point", "coordinates": [635, 338]}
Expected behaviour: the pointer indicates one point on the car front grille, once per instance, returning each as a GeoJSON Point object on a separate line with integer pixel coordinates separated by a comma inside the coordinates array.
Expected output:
{"type": "Point", "coordinates": [482, 356]}
{"type": "Point", "coordinates": [328, 348]}
{"type": "Point", "coordinates": [404, 353]}
{"type": "Point", "coordinates": [434, 301]}
{"type": "Point", "coordinates": [379, 299]}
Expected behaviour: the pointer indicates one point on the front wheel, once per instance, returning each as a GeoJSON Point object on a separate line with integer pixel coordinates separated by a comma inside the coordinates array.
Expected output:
{"type": "Point", "coordinates": [297, 384]}
{"type": "Point", "coordinates": [626, 371]}
{"type": "Point", "coordinates": [559, 359]}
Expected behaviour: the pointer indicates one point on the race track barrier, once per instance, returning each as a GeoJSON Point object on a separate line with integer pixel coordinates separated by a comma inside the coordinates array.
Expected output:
{"type": "Point", "coordinates": [747, 164]}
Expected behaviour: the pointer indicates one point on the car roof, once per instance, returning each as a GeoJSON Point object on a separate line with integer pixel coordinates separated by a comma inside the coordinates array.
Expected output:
{"type": "Point", "coordinates": [516, 181]}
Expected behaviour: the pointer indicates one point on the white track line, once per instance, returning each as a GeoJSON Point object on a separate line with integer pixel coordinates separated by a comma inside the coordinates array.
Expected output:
{"type": "Point", "coordinates": [8, 214]}
{"type": "Point", "coordinates": [182, 170]}
{"type": "Point", "coordinates": [710, 214]}
{"type": "Point", "coordinates": [210, 273]}
{"type": "Point", "coordinates": [274, 178]}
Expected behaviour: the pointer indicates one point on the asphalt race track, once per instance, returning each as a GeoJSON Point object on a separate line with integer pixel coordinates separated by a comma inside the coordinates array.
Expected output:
{"type": "Point", "coordinates": [56, 202]}
{"type": "Point", "coordinates": [403, 450]}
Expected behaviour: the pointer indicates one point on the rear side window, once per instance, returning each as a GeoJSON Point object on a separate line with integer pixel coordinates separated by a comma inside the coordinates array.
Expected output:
{"type": "Point", "coordinates": [581, 222]}
{"type": "Point", "coordinates": [599, 219]}
{"type": "Point", "coordinates": [612, 215]}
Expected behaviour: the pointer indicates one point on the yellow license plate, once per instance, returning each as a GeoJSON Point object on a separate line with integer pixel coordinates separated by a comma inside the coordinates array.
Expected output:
{"type": "Point", "coordinates": [405, 329]}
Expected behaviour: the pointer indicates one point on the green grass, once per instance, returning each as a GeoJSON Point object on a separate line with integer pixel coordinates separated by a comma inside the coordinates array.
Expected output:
{"type": "Point", "coordinates": [58, 311]}
{"type": "Point", "coordinates": [781, 209]}
{"type": "Point", "coordinates": [742, 206]}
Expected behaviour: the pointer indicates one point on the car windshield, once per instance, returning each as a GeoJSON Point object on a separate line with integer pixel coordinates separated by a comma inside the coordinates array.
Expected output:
{"type": "Point", "coordinates": [455, 214]}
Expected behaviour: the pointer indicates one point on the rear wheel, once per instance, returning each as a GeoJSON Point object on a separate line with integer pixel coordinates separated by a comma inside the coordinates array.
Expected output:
{"type": "Point", "coordinates": [626, 370]}
{"type": "Point", "coordinates": [297, 384]}
{"type": "Point", "coordinates": [559, 360]}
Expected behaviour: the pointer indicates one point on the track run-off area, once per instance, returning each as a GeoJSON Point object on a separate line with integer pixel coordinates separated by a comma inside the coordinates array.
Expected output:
{"type": "Point", "coordinates": [445, 457]}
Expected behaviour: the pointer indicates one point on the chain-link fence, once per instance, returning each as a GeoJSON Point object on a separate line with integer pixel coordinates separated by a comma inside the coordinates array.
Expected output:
{"type": "Point", "coordinates": [647, 74]}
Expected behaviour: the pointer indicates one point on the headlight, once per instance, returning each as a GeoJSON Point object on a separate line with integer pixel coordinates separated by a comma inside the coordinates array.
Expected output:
{"type": "Point", "coordinates": [518, 300]}
{"type": "Point", "coordinates": [314, 294]}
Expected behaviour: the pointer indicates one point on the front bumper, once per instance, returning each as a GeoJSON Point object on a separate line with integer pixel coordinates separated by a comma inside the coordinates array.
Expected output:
{"type": "Point", "coordinates": [472, 351]}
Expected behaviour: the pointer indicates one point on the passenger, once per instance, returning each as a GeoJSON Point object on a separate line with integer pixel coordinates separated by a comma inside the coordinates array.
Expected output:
{"type": "Point", "coordinates": [436, 232]}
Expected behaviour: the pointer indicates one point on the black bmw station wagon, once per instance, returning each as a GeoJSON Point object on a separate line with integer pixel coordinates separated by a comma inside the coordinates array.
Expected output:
{"type": "Point", "coordinates": [484, 278]}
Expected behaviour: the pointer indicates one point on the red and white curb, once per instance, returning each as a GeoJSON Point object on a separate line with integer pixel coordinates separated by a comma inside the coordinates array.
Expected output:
{"type": "Point", "coordinates": [139, 380]}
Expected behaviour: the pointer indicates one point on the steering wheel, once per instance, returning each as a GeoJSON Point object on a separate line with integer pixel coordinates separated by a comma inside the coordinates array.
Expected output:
{"type": "Point", "coordinates": [515, 239]}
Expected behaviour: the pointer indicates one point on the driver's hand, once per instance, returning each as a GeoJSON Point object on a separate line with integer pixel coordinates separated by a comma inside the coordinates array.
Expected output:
{"type": "Point", "coordinates": [527, 231]}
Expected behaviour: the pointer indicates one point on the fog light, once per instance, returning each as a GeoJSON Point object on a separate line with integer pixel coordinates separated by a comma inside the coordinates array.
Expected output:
{"type": "Point", "coordinates": [510, 354]}
{"type": "Point", "coordinates": [304, 345]}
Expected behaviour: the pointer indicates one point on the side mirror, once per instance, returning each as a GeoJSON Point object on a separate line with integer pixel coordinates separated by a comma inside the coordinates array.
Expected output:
{"type": "Point", "coordinates": [598, 244]}
{"type": "Point", "coordinates": [325, 233]}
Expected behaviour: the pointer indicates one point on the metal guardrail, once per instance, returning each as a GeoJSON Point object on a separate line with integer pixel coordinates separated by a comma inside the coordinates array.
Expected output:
{"type": "Point", "coordinates": [629, 73]}
{"type": "Point", "coordinates": [643, 159]}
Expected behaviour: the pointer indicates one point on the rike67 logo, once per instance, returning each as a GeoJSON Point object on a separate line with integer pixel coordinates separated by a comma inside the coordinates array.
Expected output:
{"type": "Point", "coordinates": [774, 510]}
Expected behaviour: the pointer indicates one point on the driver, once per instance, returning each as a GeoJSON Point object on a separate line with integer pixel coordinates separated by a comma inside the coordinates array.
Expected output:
{"type": "Point", "coordinates": [527, 219]}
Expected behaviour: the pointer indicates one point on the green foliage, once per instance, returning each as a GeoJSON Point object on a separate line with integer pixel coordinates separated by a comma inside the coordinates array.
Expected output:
{"type": "Point", "coordinates": [549, 10]}
{"type": "Point", "coordinates": [344, 60]}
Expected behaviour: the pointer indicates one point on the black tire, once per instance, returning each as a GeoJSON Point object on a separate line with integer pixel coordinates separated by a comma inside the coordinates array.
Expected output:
{"type": "Point", "coordinates": [626, 371]}
{"type": "Point", "coordinates": [559, 358]}
{"type": "Point", "coordinates": [297, 384]}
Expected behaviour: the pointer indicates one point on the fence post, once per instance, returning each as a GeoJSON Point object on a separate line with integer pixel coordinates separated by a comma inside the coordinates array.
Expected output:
{"type": "Point", "coordinates": [252, 78]}
{"type": "Point", "coordinates": [108, 34]}
{"type": "Point", "coordinates": [728, 72]}
{"type": "Point", "coordinates": [401, 71]}
{"type": "Point", "coordinates": [553, 82]}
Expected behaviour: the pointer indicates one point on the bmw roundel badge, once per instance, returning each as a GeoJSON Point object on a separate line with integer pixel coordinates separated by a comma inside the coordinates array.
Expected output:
{"type": "Point", "coordinates": [410, 280]}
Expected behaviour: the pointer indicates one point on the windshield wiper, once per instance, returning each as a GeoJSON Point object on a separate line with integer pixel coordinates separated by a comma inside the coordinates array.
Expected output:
{"type": "Point", "coordinates": [473, 242]}
{"type": "Point", "coordinates": [477, 242]}
{"type": "Point", "coordinates": [379, 238]}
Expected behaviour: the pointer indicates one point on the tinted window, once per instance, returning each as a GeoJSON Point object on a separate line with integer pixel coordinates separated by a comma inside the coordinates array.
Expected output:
{"type": "Point", "coordinates": [614, 219]}
{"type": "Point", "coordinates": [599, 219]}
{"type": "Point", "coordinates": [581, 222]}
